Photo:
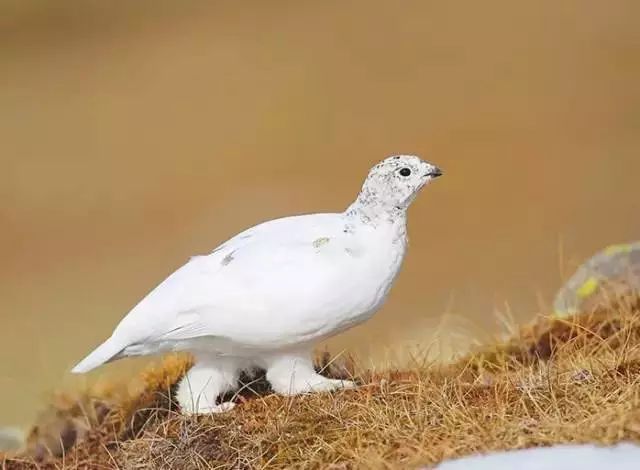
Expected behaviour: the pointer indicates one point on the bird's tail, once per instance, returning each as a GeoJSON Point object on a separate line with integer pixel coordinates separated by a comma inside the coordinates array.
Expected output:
{"type": "Point", "coordinates": [104, 353]}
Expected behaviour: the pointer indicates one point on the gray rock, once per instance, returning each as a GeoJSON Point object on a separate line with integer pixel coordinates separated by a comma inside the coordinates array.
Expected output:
{"type": "Point", "coordinates": [610, 273]}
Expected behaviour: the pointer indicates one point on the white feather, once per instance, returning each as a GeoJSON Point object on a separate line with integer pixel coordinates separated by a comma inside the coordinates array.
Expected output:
{"type": "Point", "coordinates": [106, 352]}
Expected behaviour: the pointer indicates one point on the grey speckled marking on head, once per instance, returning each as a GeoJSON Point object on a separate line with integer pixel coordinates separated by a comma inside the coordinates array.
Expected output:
{"type": "Point", "coordinates": [388, 191]}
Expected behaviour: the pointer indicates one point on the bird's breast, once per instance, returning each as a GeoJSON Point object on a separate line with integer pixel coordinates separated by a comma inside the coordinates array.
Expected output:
{"type": "Point", "coordinates": [315, 290]}
{"type": "Point", "coordinates": [360, 284]}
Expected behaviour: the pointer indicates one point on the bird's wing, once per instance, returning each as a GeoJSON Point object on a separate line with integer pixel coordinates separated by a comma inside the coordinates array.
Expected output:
{"type": "Point", "coordinates": [251, 272]}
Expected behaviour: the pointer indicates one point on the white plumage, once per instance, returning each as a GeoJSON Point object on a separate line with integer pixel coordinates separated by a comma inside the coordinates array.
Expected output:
{"type": "Point", "coordinates": [267, 295]}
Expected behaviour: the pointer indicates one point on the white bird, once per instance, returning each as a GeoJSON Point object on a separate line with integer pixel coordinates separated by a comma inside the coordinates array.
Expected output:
{"type": "Point", "coordinates": [266, 296]}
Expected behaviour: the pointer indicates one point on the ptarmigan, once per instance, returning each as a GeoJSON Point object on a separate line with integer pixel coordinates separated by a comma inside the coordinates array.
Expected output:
{"type": "Point", "coordinates": [266, 296]}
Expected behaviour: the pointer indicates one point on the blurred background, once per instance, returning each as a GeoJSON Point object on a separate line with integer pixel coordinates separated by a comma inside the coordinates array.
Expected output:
{"type": "Point", "coordinates": [133, 135]}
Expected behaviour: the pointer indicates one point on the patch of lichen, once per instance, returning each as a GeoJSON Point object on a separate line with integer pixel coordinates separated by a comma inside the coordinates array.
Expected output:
{"type": "Point", "coordinates": [556, 380]}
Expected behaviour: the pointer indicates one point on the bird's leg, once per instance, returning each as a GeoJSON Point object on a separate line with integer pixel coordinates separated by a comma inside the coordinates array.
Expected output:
{"type": "Point", "coordinates": [293, 373]}
{"type": "Point", "coordinates": [209, 378]}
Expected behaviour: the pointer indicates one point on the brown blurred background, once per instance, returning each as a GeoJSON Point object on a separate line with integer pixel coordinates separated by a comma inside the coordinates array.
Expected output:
{"type": "Point", "coordinates": [134, 136]}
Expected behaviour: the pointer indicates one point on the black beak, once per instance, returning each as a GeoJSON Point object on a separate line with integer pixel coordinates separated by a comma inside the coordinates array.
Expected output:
{"type": "Point", "coordinates": [435, 172]}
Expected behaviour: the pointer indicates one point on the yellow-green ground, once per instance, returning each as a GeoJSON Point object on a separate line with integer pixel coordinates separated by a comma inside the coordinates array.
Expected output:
{"type": "Point", "coordinates": [556, 381]}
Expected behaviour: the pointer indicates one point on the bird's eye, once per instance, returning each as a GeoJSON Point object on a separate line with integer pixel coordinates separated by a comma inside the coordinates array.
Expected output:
{"type": "Point", "coordinates": [405, 172]}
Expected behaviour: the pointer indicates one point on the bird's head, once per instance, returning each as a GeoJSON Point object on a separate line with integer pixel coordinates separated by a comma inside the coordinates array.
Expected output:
{"type": "Point", "coordinates": [394, 183]}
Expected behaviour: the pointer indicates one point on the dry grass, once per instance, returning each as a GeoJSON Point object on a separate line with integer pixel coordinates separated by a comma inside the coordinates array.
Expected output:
{"type": "Point", "coordinates": [573, 380]}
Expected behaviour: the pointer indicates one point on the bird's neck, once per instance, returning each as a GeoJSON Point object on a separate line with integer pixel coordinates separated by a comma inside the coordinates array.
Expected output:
{"type": "Point", "coordinates": [372, 211]}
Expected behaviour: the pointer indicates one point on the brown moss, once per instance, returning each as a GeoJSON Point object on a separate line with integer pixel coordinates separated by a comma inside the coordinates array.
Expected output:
{"type": "Point", "coordinates": [558, 380]}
